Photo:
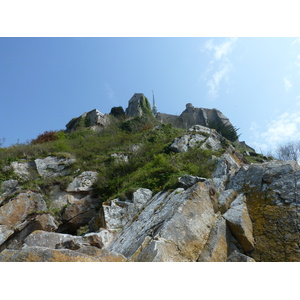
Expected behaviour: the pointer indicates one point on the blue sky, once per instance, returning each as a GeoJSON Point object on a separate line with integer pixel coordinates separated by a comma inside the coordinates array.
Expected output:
{"type": "Point", "coordinates": [45, 82]}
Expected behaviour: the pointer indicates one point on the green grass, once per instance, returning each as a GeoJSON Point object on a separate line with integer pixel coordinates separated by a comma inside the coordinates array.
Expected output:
{"type": "Point", "coordinates": [152, 166]}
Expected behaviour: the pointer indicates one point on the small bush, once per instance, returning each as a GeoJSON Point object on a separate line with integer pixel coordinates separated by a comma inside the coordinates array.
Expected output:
{"type": "Point", "coordinates": [117, 112]}
{"type": "Point", "coordinates": [47, 136]}
{"type": "Point", "coordinates": [226, 130]}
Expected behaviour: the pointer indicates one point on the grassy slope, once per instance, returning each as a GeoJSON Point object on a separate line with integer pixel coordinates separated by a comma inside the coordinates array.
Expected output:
{"type": "Point", "coordinates": [152, 166]}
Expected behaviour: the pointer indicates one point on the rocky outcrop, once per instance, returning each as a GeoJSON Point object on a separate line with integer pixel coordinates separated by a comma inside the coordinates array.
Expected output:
{"type": "Point", "coordinates": [203, 138]}
{"type": "Point", "coordinates": [243, 213]}
{"type": "Point", "coordinates": [93, 119]}
{"type": "Point", "coordinates": [78, 213]}
{"type": "Point", "coordinates": [22, 169]}
{"type": "Point", "coordinates": [53, 166]}
{"type": "Point", "coordinates": [187, 181]}
{"type": "Point", "coordinates": [240, 223]}
{"type": "Point", "coordinates": [22, 215]}
{"type": "Point", "coordinates": [171, 227]}
{"type": "Point", "coordinates": [118, 213]}
{"type": "Point", "coordinates": [44, 254]}
{"type": "Point", "coordinates": [83, 183]}
{"type": "Point", "coordinates": [272, 198]}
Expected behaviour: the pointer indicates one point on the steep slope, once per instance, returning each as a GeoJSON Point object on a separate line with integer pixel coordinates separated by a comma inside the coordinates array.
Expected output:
{"type": "Point", "coordinates": [138, 190]}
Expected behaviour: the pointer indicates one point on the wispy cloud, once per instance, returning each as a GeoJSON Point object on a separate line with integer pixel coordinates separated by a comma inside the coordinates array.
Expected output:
{"type": "Point", "coordinates": [287, 84]}
{"type": "Point", "coordinates": [222, 50]}
{"type": "Point", "coordinates": [217, 77]}
{"type": "Point", "coordinates": [284, 128]}
{"type": "Point", "coordinates": [220, 64]}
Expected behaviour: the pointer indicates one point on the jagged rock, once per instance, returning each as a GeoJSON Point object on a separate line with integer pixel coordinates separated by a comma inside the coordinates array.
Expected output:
{"type": "Point", "coordinates": [78, 214]}
{"type": "Point", "coordinates": [236, 256]}
{"type": "Point", "coordinates": [118, 213]}
{"type": "Point", "coordinates": [213, 142]}
{"type": "Point", "coordinates": [140, 197]}
{"type": "Point", "coordinates": [9, 185]}
{"type": "Point", "coordinates": [107, 256]}
{"type": "Point", "coordinates": [5, 233]}
{"type": "Point", "coordinates": [203, 140]}
{"type": "Point", "coordinates": [101, 239]}
{"type": "Point", "coordinates": [225, 199]}
{"type": "Point", "coordinates": [181, 144]}
{"type": "Point", "coordinates": [83, 182]}
{"type": "Point", "coordinates": [56, 240]}
{"type": "Point", "coordinates": [94, 119]}
{"type": "Point", "coordinates": [53, 240]}
{"type": "Point", "coordinates": [171, 227]}
{"type": "Point", "coordinates": [227, 165]}
{"type": "Point", "coordinates": [272, 191]}
{"type": "Point", "coordinates": [43, 254]}
{"type": "Point", "coordinates": [102, 255]}
{"type": "Point", "coordinates": [59, 199]}
{"type": "Point", "coordinates": [8, 188]}
{"type": "Point", "coordinates": [18, 209]}
{"type": "Point", "coordinates": [53, 166]}
{"type": "Point", "coordinates": [216, 248]}
{"type": "Point", "coordinates": [240, 224]}
{"type": "Point", "coordinates": [23, 170]}
{"type": "Point", "coordinates": [33, 222]}
{"type": "Point", "coordinates": [200, 128]}
{"type": "Point", "coordinates": [187, 181]}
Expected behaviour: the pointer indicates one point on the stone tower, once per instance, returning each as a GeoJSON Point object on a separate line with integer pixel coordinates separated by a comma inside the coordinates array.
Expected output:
{"type": "Point", "coordinates": [154, 108]}
{"type": "Point", "coordinates": [138, 105]}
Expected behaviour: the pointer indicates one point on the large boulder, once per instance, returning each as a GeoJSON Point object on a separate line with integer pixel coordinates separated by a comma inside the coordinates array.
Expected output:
{"type": "Point", "coordinates": [230, 162]}
{"type": "Point", "coordinates": [8, 188]}
{"type": "Point", "coordinates": [44, 254]}
{"type": "Point", "coordinates": [53, 166]}
{"type": "Point", "coordinates": [225, 199]}
{"type": "Point", "coordinates": [187, 181]}
{"type": "Point", "coordinates": [272, 199]}
{"type": "Point", "coordinates": [18, 209]}
{"type": "Point", "coordinates": [93, 119]}
{"type": "Point", "coordinates": [117, 213]}
{"type": "Point", "coordinates": [83, 183]}
{"type": "Point", "coordinates": [78, 213]}
{"type": "Point", "coordinates": [5, 233]}
{"type": "Point", "coordinates": [171, 227]}
{"type": "Point", "coordinates": [56, 240]}
{"type": "Point", "coordinates": [240, 224]}
{"type": "Point", "coordinates": [217, 246]}
{"type": "Point", "coordinates": [23, 170]}
{"type": "Point", "coordinates": [14, 236]}
{"type": "Point", "coordinates": [200, 137]}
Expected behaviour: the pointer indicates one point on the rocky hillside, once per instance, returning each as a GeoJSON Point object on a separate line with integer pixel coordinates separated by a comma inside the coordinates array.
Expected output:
{"type": "Point", "coordinates": [126, 187]}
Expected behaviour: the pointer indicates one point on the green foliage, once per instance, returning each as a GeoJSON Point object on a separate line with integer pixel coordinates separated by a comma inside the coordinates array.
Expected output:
{"type": "Point", "coordinates": [151, 165]}
{"type": "Point", "coordinates": [6, 172]}
{"type": "Point", "coordinates": [227, 130]}
{"type": "Point", "coordinates": [47, 136]}
{"type": "Point", "coordinates": [78, 123]}
{"type": "Point", "coordinates": [117, 112]}
{"type": "Point", "coordinates": [138, 123]}
{"type": "Point", "coordinates": [146, 107]}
